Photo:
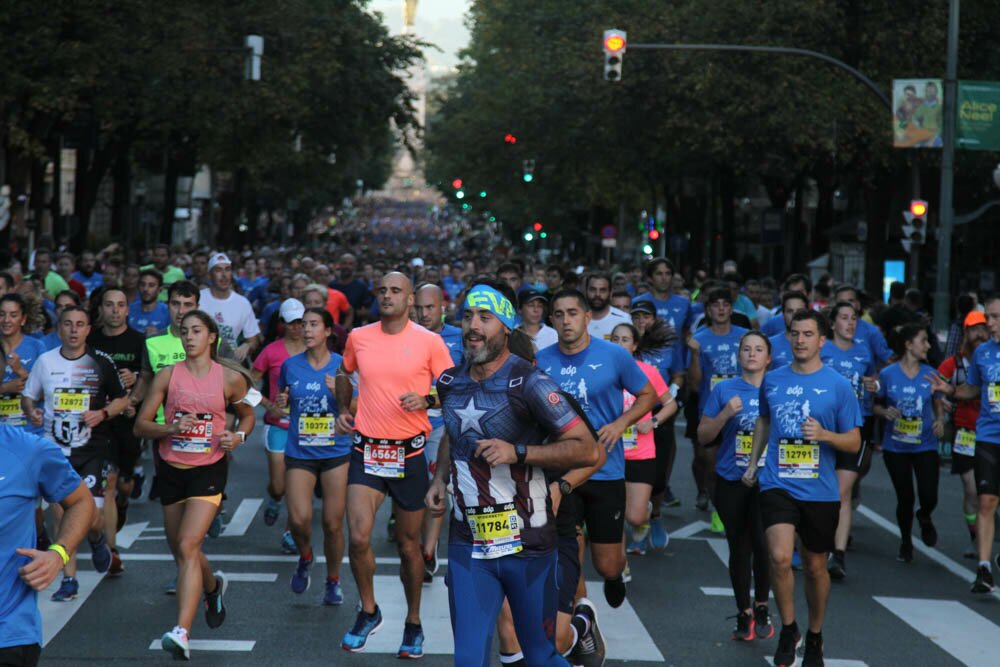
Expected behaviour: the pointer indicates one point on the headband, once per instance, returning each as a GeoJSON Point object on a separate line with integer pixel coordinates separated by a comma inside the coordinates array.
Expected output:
{"type": "Point", "coordinates": [487, 298]}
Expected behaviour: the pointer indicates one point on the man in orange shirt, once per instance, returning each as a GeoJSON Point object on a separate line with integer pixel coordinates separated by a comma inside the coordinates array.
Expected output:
{"type": "Point", "coordinates": [397, 361]}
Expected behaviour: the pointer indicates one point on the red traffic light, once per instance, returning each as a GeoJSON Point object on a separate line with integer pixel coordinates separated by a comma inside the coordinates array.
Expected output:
{"type": "Point", "coordinates": [918, 207]}
{"type": "Point", "coordinates": [614, 42]}
{"type": "Point", "coordinates": [537, 226]}
{"type": "Point", "coordinates": [654, 234]}
{"type": "Point", "coordinates": [510, 138]}
{"type": "Point", "coordinates": [457, 184]}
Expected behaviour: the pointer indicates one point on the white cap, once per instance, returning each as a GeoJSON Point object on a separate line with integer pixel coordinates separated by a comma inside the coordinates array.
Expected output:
{"type": "Point", "coordinates": [217, 259]}
{"type": "Point", "coordinates": [291, 310]}
{"type": "Point", "coordinates": [417, 262]}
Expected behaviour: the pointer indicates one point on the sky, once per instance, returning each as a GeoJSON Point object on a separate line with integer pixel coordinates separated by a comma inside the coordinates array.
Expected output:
{"type": "Point", "coordinates": [440, 22]}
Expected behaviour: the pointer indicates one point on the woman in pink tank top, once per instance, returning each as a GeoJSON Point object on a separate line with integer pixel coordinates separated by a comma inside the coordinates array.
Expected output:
{"type": "Point", "coordinates": [191, 474]}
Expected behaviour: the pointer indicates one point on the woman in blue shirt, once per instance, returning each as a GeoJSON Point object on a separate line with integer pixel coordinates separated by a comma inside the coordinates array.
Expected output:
{"type": "Point", "coordinates": [314, 453]}
{"type": "Point", "coordinates": [904, 399]}
{"type": "Point", "coordinates": [732, 409]}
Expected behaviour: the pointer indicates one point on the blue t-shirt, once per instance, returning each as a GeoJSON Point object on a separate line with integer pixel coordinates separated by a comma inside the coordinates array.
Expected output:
{"type": "Point", "coordinates": [984, 372]}
{"type": "Point", "coordinates": [31, 467]}
{"type": "Point", "coordinates": [51, 340]}
{"type": "Point", "coordinates": [914, 431]}
{"type": "Point", "coordinates": [855, 364]}
{"type": "Point", "coordinates": [774, 326]}
{"type": "Point", "coordinates": [313, 409]}
{"type": "Point", "coordinates": [138, 319]}
{"type": "Point", "coordinates": [806, 470]}
{"type": "Point", "coordinates": [452, 337]}
{"type": "Point", "coordinates": [872, 335]}
{"type": "Point", "coordinates": [28, 351]}
{"type": "Point", "coordinates": [596, 377]}
{"type": "Point", "coordinates": [452, 286]}
{"type": "Point", "coordinates": [733, 454]}
{"type": "Point", "coordinates": [719, 358]}
{"type": "Point", "coordinates": [266, 316]}
{"type": "Point", "coordinates": [90, 283]}
{"type": "Point", "coordinates": [667, 360]}
{"type": "Point", "coordinates": [781, 350]}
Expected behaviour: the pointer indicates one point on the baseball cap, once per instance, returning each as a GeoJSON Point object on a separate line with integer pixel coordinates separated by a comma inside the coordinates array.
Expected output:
{"type": "Point", "coordinates": [291, 310]}
{"type": "Point", "coordinates": [417, 261]}
{"type": "Point", "coordinates": [975, 317]}
{"type": "Point", "coordinates": [642, 307]}
{"type": "Point", "coordinates": [526, 295]}
{"type": "Point", "coordinates": [217, 259]}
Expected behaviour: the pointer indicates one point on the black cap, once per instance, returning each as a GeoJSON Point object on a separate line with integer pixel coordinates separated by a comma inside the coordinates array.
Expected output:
{"type": "Point", "coordinates": [526, 295]}
{"type": "Point", "coordinates": [642, 307]}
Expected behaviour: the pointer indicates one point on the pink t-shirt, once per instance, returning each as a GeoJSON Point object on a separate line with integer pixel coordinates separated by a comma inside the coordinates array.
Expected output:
{"type": "Point", "coordinates": [640, 446]}
{"type": "Point", "coordinates": [269, 361]}
{"type": "Point", "coordinates": [205, 398]}
{"type": "Point", "coordinates": [388, 367]}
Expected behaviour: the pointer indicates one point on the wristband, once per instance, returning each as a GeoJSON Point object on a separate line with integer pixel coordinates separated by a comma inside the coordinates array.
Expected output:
{"type": "Point", "coordinates": [674, 388]}
{"type": "Point", "coordinates": [61, 550]}
{"type": "Point", "coordinates": [106, 414]}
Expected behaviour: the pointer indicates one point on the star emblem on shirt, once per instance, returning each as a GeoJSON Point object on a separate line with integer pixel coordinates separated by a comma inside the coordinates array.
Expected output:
{"type": "Point", "coordinates": [470, 417]}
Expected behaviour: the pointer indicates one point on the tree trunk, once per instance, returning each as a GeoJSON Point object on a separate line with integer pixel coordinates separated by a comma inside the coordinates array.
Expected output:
{"type": "Point", "coordinates": [170, 175]}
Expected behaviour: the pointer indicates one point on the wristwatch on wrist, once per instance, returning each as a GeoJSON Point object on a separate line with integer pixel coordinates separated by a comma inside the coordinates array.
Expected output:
{"type": "Point", "coordinates": [430, 401]}
{"type": "Point", "coordinates": [243, 436]}
{"type": "Point", "coordinates": [522, 453]}
{"type": "Point", "coordinates": [565, 487]}
{"type": "Point", "coordinates": [656, 422]}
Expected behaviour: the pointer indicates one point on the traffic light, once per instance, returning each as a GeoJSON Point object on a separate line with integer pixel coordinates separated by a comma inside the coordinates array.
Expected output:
{"type": "Point", "coordinates": [614, 49]}
{"type": "Point", "coordinates": [509, 139]}
{"type": "Point", "coordinates": [482, 194]}
{"type": "Point", "coordinates": [647, 249]}
{"type": "Point", "coordinates": [537, 226]}
{"type": "Point", "coordinates": [528, 236]}
{"type": "Point", "coordinates": [654, 234]}
{"type": "Point", "coordinates": [460, 194]}
{"type": "Point", "coordinates": [457, 184]}
{"type": "Point", "coordinates": [528, 171]}
{"type": "Point", "coordinates": [915, 229]}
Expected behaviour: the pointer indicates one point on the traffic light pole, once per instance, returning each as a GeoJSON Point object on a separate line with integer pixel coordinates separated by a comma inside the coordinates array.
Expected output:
{"type": "Point", "coordinates": [942, 292]}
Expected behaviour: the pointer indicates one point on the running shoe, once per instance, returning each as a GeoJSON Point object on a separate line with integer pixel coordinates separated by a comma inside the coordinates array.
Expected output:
{"type": "Point", "coordinates": [716, 525]}
{"type": "Point", "coordinates": [137, 485]}
{"type": "Point", "coordinates": [590, 649]}
{"type": "Point", "coordinates": [639, 533]}
{"type": "Point", "coordinates": [983, 584]}
{"type": "Point", "coordinates": [627, 573]}
{"type": "Point", "coordinates": [928, 533]}
{"type": "Point", "coordinates": [176, 643]}
{"type": "Point", "coordinates": [430, 567]}
{"type": "Point", "coordinates": [413, 642]}
{"type": "Point", "coordinates": [333, 595]}
{"type": "Point", "coordinates": [171, 588]}
{"type": "Point", "coordinates": [365, 625]}
{"type": "Point", "coordinates": [288, 544]}
{"type": "Point", "coordinates": [659, 538]}
{"type": "Point", "coordinates": [614, 592]}
{"type": "Point", "coordinates": [813, 655]}
{"type": "Point", "coordinates": [67, 590]}
{"type": "Point", "coordinates": [271, 511]}
{"type": "Point", "coordinates": [744, 630]}
{"type": "Point", "coordinates": [836, 566]}
{"type": "Point", "coordinates": [215, 609]}
{"type": "Point", "coordinates": [215, 528]}
{"type": "Point", "coordinates": [301, 579]}
{"type": "Point", "coordinates": [702, 501]}
{"type": "Point", "coordinates": [391, 528]}
{"type": "Point", "coordinates": [796, 560]}
{"type": "Point", "coordinates": [788, 642]}
{"type": "Point", "coordinates": [905, 554]}
{"type": "Point", "coordinates": [670, 500]}
{"type": "Point", "coordinates": [116, 568]}
{"type": "Point", "coordinates": [100, 554]}
{"type": "Point", "coordinates": [762, 624]}
{"type": "Point", "coordinates": [636, 548]}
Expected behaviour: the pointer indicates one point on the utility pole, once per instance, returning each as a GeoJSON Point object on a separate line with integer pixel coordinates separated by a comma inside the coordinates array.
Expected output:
{"type": "Point", "coordinates": [942, 293]}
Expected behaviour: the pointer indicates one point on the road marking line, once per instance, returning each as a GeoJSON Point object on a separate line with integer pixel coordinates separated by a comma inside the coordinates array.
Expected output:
{"type": "Point", "coordinates": [721, 549]}
{"type": "Point", "coordinates": [720, 591]}
{"type": "Point", "coordinates": [252, 577]}
{"type": "Point", "coordinates": [947, 563]}
{"type": "Point", "coordinates": [129, 532]}
{"type": "Point", "coordinates": [150, 538]}
{"type": "Point", "coordinates": [55, 615]}
{"type": "Point", "coordinates": [689, 531]}
{"type": "Point", "coordinates": [258, 558]}
{"type": "Point", "coordinates": [829, 662]}
{"type": "Point", "coordinates": [212, 645]}
{"type": "Point", "coordinates": [242, 517]}
{"type": "Point", "coordinates": [967, 636]}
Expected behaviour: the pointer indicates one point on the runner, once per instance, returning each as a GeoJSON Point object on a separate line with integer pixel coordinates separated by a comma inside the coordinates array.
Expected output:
{"type": "Point", "coordinates": [852, 358]}
{"type": "Point", "coordinates": [963, 414]}
{"type": "Point", "coordinates": [531, 306]}
{"type": "Point", "coordinates": [597, 374]}
{"type": "Point", "coordinates": [192, 465]}
{"type": "Point", "coordinates": [781, 346]}
{"type": "Point", "coordinates": [983, 381]}
{"type": "Point", "coordinates": [314, 454]}
{"type": "Point", "coordinates": [673, 309]}
{"type": "Point", "coordinates": [20, 353]}
{"type": "Point", "coordinates": [428, 306]}
{"type": "Point", "coordinates": [238, 326]}
{"type": "Point", "coordinates": [82, 393]}
{"type": "Point", "coordinates": [903, 397]}
{"type": "Point", "coordinates": [63, 300]}
{"type": "Point", "coordinates": [603, 317]}
{"type": "Point", "coordinates": [397, 361]}
{"type": "Point", "coordinates": [807, 411]}
{"type": "Point", "coordinates": [732, 410]}
{"type": "Point", "coordinates": [483, 451]}
{"type": "Point", "coordinates": [640, 448]}
{"type": "Point", "coordinates": [147, 314]}
{"type": "Point", "coordinates": [268, 363]}
{"type": "Point", "coordinates": [127, 348]}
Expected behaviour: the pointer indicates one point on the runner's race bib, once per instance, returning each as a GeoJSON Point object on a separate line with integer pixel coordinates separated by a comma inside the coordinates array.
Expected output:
{"type": "Point", "coordinates": [716, 379]}
{"type": "Point", "coordinates": [10, 410]}
{"type": "Point", "coordinates": [798, 459]}
{"type": "Point", "coordinates": [908, 430]}
{"type": "Point", "coordinates": [385, 459]}
{"type": "Point", "coordinates": [744, 445]}
{"type": "Point", "coordinates": [70, 402]}
{"type": "Point", "coordinates": [965, 442]}
{"type": "Point", "coordinates": [198, 439]}
{"type": "Point", "coordinates": [496, 531]}
{"type": "Point", "coordinates": [630, 438]}
{"type": "Point", "coordinates": [993, 396]}
{"type": "Point", "coordinates": [317, 429]}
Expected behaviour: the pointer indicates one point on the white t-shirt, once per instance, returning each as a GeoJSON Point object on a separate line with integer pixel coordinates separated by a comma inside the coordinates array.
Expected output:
{"type": "Point", "coordinates": [603, 327]}
{"type": "Point", "coordinates": [546, 336]}
{"type": "Point", "coordinates": [234, 316]}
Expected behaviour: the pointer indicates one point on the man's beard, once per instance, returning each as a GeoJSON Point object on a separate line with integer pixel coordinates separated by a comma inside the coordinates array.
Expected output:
{"type": "Point", "coordinates": [490, 351]}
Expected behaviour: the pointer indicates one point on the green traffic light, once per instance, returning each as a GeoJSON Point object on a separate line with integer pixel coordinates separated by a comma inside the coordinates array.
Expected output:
{"type": "Point", "coordinates": [528, 178]}
{"type": "Point", "coordinates": [528, 236]}
{"type": "Point", "coordinates": [493, 218]}
{"type": "Point", "coordinates": [543, 235]}
{"type": "Point", "coordinates": [482, 194]}
{"type": "Point", "coordinates": [465, 207]}
{"type": "Point", "coordinates": [647, 249]}
{"type": "Point", "coordinates": [460, 194]}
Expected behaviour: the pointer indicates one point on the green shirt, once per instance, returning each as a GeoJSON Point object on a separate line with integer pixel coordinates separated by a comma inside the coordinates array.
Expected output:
{"type": "Point", "coordinates": [54, 283]}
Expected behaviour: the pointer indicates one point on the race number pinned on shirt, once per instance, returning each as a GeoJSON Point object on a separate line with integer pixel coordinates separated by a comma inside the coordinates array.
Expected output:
{"type": "Point", "coordinates": [630, 438]}
{"type": "Point", "coordinates": [385, 459]}
{"type": "Point", "coordinates": [744, 445]}
{"type": "Point", "coordinates": [10, 410]}
{"type": "Point", "coordinates": [798, 459]}
{"type": "Point", "coordinates": [716, 379]}
{"type": "Point", "coordinates": [965, 442]}
{"type": "Point", "coordinates": [197, 439]}
{"type": "Point", "coordinates": [496, 531]}
{"type": "Point", "coordinates": [993, 396]}
{"type": "Point", "coordinates": [907, 430]}
{"type": "Point", "coordinates": [66, 402]}
{"type": "Point", "coordinates": [317, 429]}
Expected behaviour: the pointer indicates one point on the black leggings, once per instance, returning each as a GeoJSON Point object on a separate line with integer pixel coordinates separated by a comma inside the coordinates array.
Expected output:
{"type": "Point", "coordinates": [739, 509]}
{"type": "Point", "coordinates": [902, 468]}
{"type": "Point", "coordinates": [666, 452]}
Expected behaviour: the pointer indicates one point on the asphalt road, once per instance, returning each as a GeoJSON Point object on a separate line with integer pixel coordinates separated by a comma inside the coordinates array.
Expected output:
{"type": "Point", "coordinates": [884, 613]}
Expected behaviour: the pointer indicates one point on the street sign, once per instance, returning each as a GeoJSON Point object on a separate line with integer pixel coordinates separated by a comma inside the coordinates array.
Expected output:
{"type": "Point", "coordinates": [609, 232]}
{"type": "Point", "coordinates": [978, 123]}
{"type": "Point", "coordinates": [609, 243]}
